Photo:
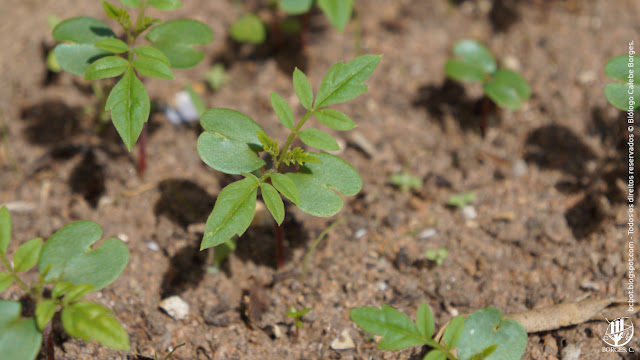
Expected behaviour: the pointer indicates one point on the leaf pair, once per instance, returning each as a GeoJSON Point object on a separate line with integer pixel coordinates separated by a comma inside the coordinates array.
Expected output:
{"type": "Point", "coordinates": [475, 62]}
{"type": "Point", "coordinates": [620, 93]}
{"type": "Point", "coordinates": [337, 11]}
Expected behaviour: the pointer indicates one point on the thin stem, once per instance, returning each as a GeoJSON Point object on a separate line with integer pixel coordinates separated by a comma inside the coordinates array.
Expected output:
{"type": "Point", "coordinates": [292, 136]}
{"type": "Point", "coordinates": [47, 334]}
{"type": "Point", "coordinates": [315, 245]}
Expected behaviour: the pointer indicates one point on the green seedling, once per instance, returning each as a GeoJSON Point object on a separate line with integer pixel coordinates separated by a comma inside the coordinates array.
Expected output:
{"type": "Point", "coordinates": [485, 334]}
{"type": "Point", "coordinates": [461, 200]}
{"type": "Point", "coordinates": [232, 142]}
{"type": "Point", "coordinates": [90, 48]}
{"type": "Point", "coordinates": [620, 93]}
{"type": "Point", "coordinates": [337, 11]}
{"type": "Point", "coordinates": [248, 29]}
{"type": "Point", "coordinates": [216, 76]}
{"type": "Point", "coordinates": [71, 270]}
{"type": "Point", "coordinates": [436, 255]}
{"type": "Point", "coordinates": [297, 316]}
{"type": "Point", "coordinates": [405, 181]}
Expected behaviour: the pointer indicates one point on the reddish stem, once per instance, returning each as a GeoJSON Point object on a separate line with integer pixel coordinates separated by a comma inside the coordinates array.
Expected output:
{"type": "Point", "coordinates": [47, 333]}
{"type": "Point", "coordinates": [279, 246]}
{"type": "Point", "coordinates": [142, 147]}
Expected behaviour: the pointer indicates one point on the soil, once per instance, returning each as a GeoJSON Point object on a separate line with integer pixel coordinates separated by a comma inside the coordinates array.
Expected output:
{"type": "Point", "coordinates": [550, 179]}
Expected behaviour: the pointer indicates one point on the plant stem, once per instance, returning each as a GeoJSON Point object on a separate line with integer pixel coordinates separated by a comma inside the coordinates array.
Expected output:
{"type": "Point", "coordinates": [142, 146]}
{"type": "Point", "coordinates": [315, 244]}
{"type": "Point", "coordinates": [292, 136]}
{"type": "Point", "coordinates": [279, 246]}
{"type": "Point", "coordinates": [47, 334]}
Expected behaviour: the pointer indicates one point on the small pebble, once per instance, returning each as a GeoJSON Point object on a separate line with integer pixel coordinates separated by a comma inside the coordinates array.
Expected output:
{"type": "Point", "coordinates": [571, 352]}
{"type": "Point", "coordinates": [343, 341]}
{"type": "Point", "coordinates": [519, 168]}
{"type": "Point", "coordinates": [427, 233]}
{"type": "Point", "coordinates": [382, 286]}
{"type": "Point", "coordinates": [586, 77]}
{"type": "Point", "coordinates": [510, 62]}
{"type": "Point", "coordinates": [153, 246]}
{"type": "Point", "coordinates": [175, 307]}
{"type": "Point", "coordinates": [469, 212]}
{"type": "Point", "coordinates": [362, 232]}
{"type": "Point", "coordinates": [589, 285]}
{"type": "Point", "coordinates": [124, 237]}
{"type": "Point", "coordinates": [184, 110]}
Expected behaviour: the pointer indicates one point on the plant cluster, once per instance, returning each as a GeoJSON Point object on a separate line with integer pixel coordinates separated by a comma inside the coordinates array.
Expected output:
{"type": "Point", "coordinates": [69, 270]}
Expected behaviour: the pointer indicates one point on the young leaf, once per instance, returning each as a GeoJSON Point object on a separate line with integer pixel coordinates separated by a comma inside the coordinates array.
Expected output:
{"type": "Point", "coordinates": [44, 313]}
{"type": "Point", "coordinates": [424, 321]}
{"type": "Point", "coordinates": [435, 355]}
{"type": "Point", "coordinates": [76, 58]}
{"type": "Point", "coordinates": [19, 337]}
{"type": "Point", "coordinates": [111, 11]}
{"type": "Point", "coordinates": [475, 54]}
{"type": "Point", "coordinates": [5, 281]}
{"type": "Point", "coordinates": [248, 29]}
{"type": "Point", "coordinates": [70, 258]}
{"type": "Point", "coordinates": [153, 68]}
{"type": "Point", "coordinates": [343, 82]}
{"type": "Point", "coordinates": [487, 327]}
{"type": "Point", "coordinates": [27, 254]}
{"type": "Point", "coordinates": [229, 143]}
{"type": "Point", "coordinates": [76, 292]}
{"type": "Point", "coordinates": [232, 213]}
{"type": "Point", "coordinates": [60, 289]}
{"type": "Point", "coordinates": [295, 7]}
{"type": "Point", "coordinates": [334, 119]}
{"type": "Point", "coordinates": [129, 105]}
{"type": "Point", "coordinates": [461, 200]}
{"type": "Point", "coordinates": [338, 12]}
{"type": "Point", "coordinates": [396, 328]}
{"type": "Point", "coordinates": [302, 87]}
{"type": "Point", "coordinates": [508, 89]}
{"type": "Point", "coordinates": [273, 201]}
{"type": "Point", "coordinates": [318, 139]}
{"type": "Point", "coordinates": [106, 67]}
{"type": "Point", "coordinates": [82, 33]}
{"type": "Point", "coordinates": [453, 332]}
{"type": "Point", "coordinates": [175, 39]}
{"type": "Point", "coordinates": [462, 71]}
{"type": "Point", "coordinates": [283, 110]}
{"type": "Point", "coordinates": [286, 187]}
{"type": "Point", "coordinates": [149, 52]}
{"type": "Point", "coordinates": [617, 68]}
{"type": "Point", "coordinates": [617, 96]}
{"type": "Point", "coordinates": [90, 321]}
{"type": "Point", "coordinates": [113, 45]}
{"type": "Point", "coordinates": [131, 3]}
{"type": "Point", "coordinates": [5, 229]}
{"type": "Point", "coordinates": [165, 5]}
{"type": "Point", "coordinates": [317, 182]}
{"type": "Point", "coordinates": [617, 93]}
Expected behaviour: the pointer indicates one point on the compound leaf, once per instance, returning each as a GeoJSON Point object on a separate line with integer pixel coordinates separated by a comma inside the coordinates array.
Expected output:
{"type": "Point", "coordinates": [90, 321]}
{"type": "Point", "coordinates": [302, 87]}
{"type": "Point", "coordinates": [295, 7]}
{"type": "Point", "coordinates": [424, 321]}
{"type": "Point", "coordinates": [230, 143]}
{"type": "Point", "coordinates": [344, 82]}
{"type": "Point", "coordinates": [286, 187]}
{"type": "Point", "coordinates": [27, 254]}
{"type": "Point", "coordinates": [397, 330]}
{"type": "Point", "coordinates": [69, 257]}
{"type": "Point", "coordinates": [317, 182]}
{"type": "Point", "coordinates": [283, 110]}
{"type": "Point", "coordinates": [487, 327]}
{"type": "Point", "coordinates": [113, 45]}
{"type": "Point", "coordinates": [110, 9]}
{"type": "Point", "coordinates": [508, 89]}
{"type": "Point", "coordinates": [232, 213]}
{"type": "Point", "coordinates": [106, 67]}
{"type": "Point", "coordinates": [149, 52]}
{"type": "Point", "coordinates": [334, 119]}
{"type": "Point", "coordinates": [273, 201]}
{"type": "Point", "coordinates": [129, 105]}
{"type": "Point", "coordinates": [175, 38]}
{"type": "Point", "coordinates": [453, 332]}
{"type": "Point", "coordinates": [475, 54]}
{"type": "Point", "coordinates": [165, 5]}
{"type": "Point", "coordinates": [318, 139]}
{"type": "Point", "coordinates": [248, 29]}
{"type": "Point", "coordinates": [338, 12]}
{"type": "Point", "coordinates": [19, 337]}
{"type": "Point", "coordinates": [153, 68]}
{"type": "Point", "coordinates": [5, 229]}
{"type": "Point", "coordinates": [44, 313]}
{"type": "Point", "coordinates": [80, 35]}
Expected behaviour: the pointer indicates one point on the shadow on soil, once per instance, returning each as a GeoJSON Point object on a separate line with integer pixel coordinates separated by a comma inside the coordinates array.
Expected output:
{"type": "Point", "coordinates": [183, 202]}
{"type": "Point", "coordinates": [88, 179]}
{"type": "Point", "coordinates": [51, 122]}
{"type": "Point", "coordinates": [186, 270]}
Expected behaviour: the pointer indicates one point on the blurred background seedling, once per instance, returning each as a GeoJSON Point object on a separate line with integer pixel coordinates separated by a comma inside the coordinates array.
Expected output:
{"type": "Point", "coordinates": [405, 181]}
{"type": "Point", "coordinates": [461, 200]}
{"type": "Point", "coordinates": [436, 255]}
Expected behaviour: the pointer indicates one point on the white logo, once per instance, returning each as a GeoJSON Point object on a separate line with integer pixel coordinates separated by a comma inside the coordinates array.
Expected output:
{"type": "Point", "coordinates": [618, 332]}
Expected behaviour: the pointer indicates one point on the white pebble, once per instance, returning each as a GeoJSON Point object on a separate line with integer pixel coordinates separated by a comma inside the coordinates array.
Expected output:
{"type": "Point", "coordinates": [469, 212]}
{"type": "Point", "coordinates": [153, 246]}
{"type": "Point", "coordinates": [177, 308]}
{"type": "Point", "coordinates": [427, 233]}
{"type": "Point", "coordinates": [343, 341]}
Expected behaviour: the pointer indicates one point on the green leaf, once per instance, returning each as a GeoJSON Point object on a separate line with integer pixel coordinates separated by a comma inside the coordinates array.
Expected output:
{"type": "Point", "coordinates": [5, 281]}
{"type": "Point", "coordinates": [435, 355]}
{"type": "Point", "coordinates": [113, 45]}
{"type": "Point", "coordinates": [618, 96]}
{"type": "Point", "coordinates": [27, 255]}
{"type": "Point", "coordinates": [508, 89]}
{"type": "Point", "coordinates": [286, 187]}
{"type": "Point", "coordinates": [76, 58]}
{"type": "Point", "coordinates": [453, 332]}
{"type": "Point", "coordinates": [302, 87]}
{"type": "Point", "coordinates": [424, 321]}
{"type": "Point", "coordinates": [487, 327]}
{"type": "Point", "coordinates": [111, 11]}
{"type": "Point", "coordinates": [5, 229]}
{"type": "Point", "coordinates": [295, 7]}
{"type": "Point", "coordinates": [106, 67]}
{"type": "Point", "coordinates": [233, 212]}
{"type": "Point", "coordinates": [60, 289]}
{"type": "Point", "coordinates": [343, 82]}
{"type": "Point", "coordinates": [76, 292]}
{"type": "Point", "coordinates": [129, 105]}
{"type": "Point", "coordinates": [165, 5]}
{"type": "Point", "coordinates": [334, 119]}
{"type": "Point", "coordinates": [19, 337]}
{"type": "Point", "coordinates": [338, 12]}
{"type": "Point", "coordinates": [82, 30]}
{"type": "Point", "coordinates": [617, 68]}
{"type": "Point", "coordinates": [476, 54]}
{"type": "Point", "coordinates": [317, 182]}
{"type": "Point", "coordinates": [273, 201]}
{"type": "Point", "coordinates": [230, 143]}
{"type": "Point", "coordinates": [149, 52]}
{"type": "Point", "coordinates": [283, 110]}
{"type": "Point", "coordinates": [318, 139]}
{"type": "Point", "coordinates": [461, 200]}
{"type": "Point", "coordinates": [405, 181]}
{"type": "Point", "coordinates": [248, 29]}
{"type": "Point", "coordinates": [70, 258]}
{"type": "Point", "coordinates": [153, 68]}
{"type": "Point", "coordinates": [44, 313]}
{"type": "Point", "coordinates": [90, 321]}
{"type": "Point", "coordinates": [485, 353]}
{"type": "Point", "coordinates": [131, 3]}
{"type": "Point", "coordinates": [462, 71]}
{"type": "Point", "coordinates": [396, 328]}
{"type": "Point", "coordinates": [175, 39]}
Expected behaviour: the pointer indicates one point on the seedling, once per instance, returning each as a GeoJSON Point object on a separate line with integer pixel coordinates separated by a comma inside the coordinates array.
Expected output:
{"type": "Point", "coordinates": [232, 142]}
{"type": "Point", "coordinates": [72, 270]}
{"type": "Point", "coordinates": [216, 76]}
{"type": "Point", "coordinates": [337, 11]}
{"type": "Point", "coordinates": [461, 200]}
{"type": "Point", "coordinates": [405, 181]}
{"type": "Point", "coordinates": [485, 334]}
{"type": "Point", "coordinates": [620, 93]}
{"type": "Point", "coordinates": [436, 255]}
{"type": "Point", "coordinates": [475, 63]}
{"type": "Point", "coordinates": [89, 47]}
{"type": "Point", "coordinates": [297, 316]}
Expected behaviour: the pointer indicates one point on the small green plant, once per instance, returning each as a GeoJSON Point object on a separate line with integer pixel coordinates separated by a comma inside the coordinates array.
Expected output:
{"type": "Point", "coordinates": [461, 200]}
{"type": "Point", "coordinates": [248, 29]}
{"type": "Point", "coordinates": [89, 47]}
{"type": "Point", "coordinates": [216, 76]}
{"type": "Point", "coordinates": [405, 181]}
{"type": "Point", "coordinates": [231, 143]}
{"type": "Point", "coordinates": [485, 334]}
{"type": "Point", "coordinates": [475, 63]}
{"type": "Point", "coordinates": [72, 270]}
{"type": "Point", "coordinates": [337, 11]}
{"type": "Point", "coordinates": [297, 316]}
{"type": "Point", "coordinates": [620, 93]}
{"type": "Point", "coordinates": [436, 255]}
